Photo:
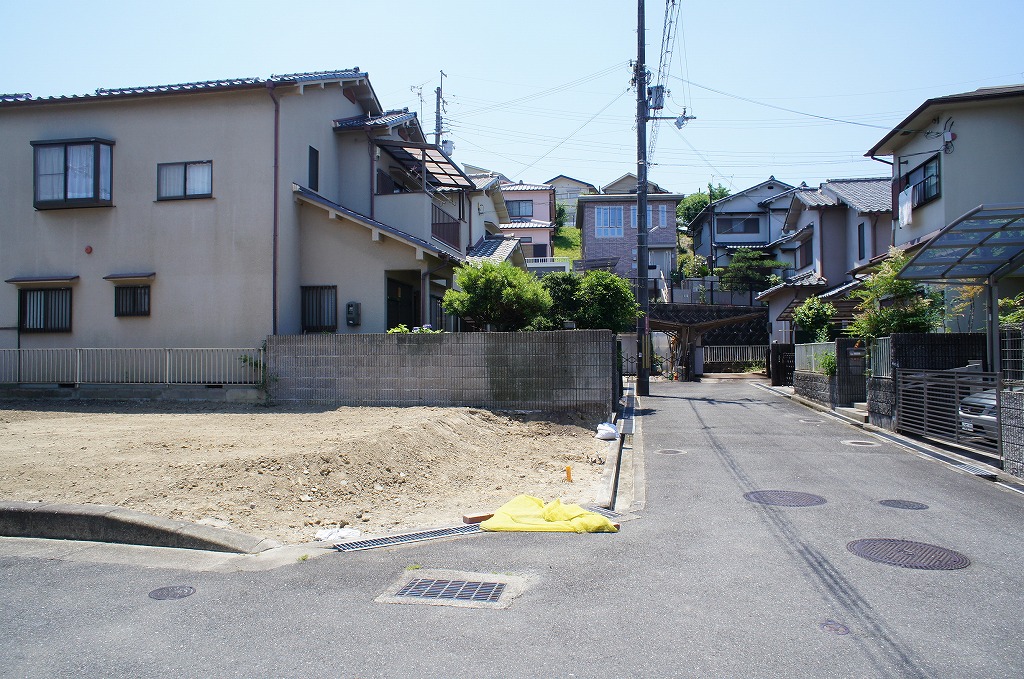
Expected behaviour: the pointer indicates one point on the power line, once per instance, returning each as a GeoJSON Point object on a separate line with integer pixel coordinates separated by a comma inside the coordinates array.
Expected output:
{"type": "Point", "coordinates": [781, 108]}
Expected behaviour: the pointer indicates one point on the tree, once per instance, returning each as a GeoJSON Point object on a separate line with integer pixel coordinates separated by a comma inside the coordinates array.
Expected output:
{"type": "Point", "coordinates": [1011, 310]}
{"type": "Point", "coordinates": [691, 206]}
{"type": "Point", "coordinates": [497, 294]}
{"type": "Point", "coordinates": [561, 214]}
{"type": "Point", "coordinates": [749, 270]}
{"type": "Point", "coordinates": [889, 304]}
{"type": "Point", "coordinates": [815, 317]}
{"type": "Point", "coordinates": [595, 300]}
{"type": "Point", "coordinates": [606, 301]}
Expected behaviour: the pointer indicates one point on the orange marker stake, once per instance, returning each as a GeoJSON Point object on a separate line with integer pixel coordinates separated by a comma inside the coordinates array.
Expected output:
{"type": "Point", "coordinates": [568, 474]}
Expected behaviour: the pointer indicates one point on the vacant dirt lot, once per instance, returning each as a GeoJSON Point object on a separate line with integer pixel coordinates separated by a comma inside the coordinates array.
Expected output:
{"type": "Point", "coordinates": [286, 473]}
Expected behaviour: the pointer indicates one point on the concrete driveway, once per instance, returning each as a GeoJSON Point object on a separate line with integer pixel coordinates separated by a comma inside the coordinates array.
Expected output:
{"type": "Point", "coordinates": [700, 582]}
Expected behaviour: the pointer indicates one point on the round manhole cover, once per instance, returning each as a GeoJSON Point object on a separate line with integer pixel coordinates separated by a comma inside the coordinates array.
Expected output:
{"type": "Point", "coordinates": [903, 504]}
{"type": "Point", "coordinates": [909, 554]}
{"type": "Point", "coordinates": [865, 444]}
{"type": "Point", "coordinates": [784, 498]}
{"type": "Point", "coordinates": [175, 592]}
{"type": "Point", "coordinates": [670, 451]}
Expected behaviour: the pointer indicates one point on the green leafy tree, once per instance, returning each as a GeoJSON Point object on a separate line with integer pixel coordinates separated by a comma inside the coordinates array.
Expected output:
{"type": "Point", "coordinates": [561, 214]}
{"type": "Point", "coordinates": [690, 206]}
{"type": "Point", "coordinates": [563, 287]}
{"type": "Point", "coordinates": [606, 301]}
{"type": "Point", "coordinates": [749, 270]}
{"type": "Point", "coordinates": [595, 300]}
{"type": "Point", "coordinates": [888, 304]}
{"type": "Point", "coordinates": [1011, 310]}
{"type": "Point", "coordinates": [498, 294]}
{"type": "Point", "coordinates": [815, 317]}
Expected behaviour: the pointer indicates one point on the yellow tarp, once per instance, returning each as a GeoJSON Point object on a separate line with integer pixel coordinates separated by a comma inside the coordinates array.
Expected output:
{"type": "Point", "coordinates": [527, 513]}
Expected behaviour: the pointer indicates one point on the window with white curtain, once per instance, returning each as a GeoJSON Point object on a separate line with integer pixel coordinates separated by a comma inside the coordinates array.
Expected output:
{"type": "Point", "coordinates": [193, 179]}
{"type": "Point", "coordinates": [72, 173]}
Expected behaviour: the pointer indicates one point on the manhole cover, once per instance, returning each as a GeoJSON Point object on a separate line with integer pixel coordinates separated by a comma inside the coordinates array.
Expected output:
{"type": "Point", "coordinates": [784, 498]}
{"type": "Point", "coordinates": [908, 554]}
{"type": "Point", "coordinates": [670, 451]}
{"type": "Point", "coordinates": [865, 444]}
{"type": "Point", "coordinates": [176, 592]}
{"type": "Point", "coordinates": [834, 627]}
{"type": "Point", "coordinates": [903, 504]}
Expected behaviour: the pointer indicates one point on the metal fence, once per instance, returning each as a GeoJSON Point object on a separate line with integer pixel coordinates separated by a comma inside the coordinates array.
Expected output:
{"type": "Point", "coordinates": [881, 357]}
{"type": "Point", "coordinates": [709, 291]}
{"type": "Point", "coordinates": [131, 366]}
{"type": "Point", "coordinates": [809, 356]}
{"type": "Point", "coordinates": [1011, 353]}
{"type": "Point", "coordinates": [736, 354]}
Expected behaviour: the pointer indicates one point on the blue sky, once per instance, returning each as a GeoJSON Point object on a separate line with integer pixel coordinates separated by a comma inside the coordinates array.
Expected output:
{"type": "Point", "coordinates": [540, 88]}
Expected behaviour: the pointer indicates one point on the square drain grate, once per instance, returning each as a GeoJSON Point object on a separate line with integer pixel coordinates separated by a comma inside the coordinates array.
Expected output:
{"type": "Point", "coordinates": [453, 590]}
{"type": "Point", "coordinates": [406, 538]}
{"type": "Point", "coordinates": [460, 589]}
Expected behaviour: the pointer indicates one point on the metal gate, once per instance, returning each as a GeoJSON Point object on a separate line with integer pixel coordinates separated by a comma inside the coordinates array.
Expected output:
{"type": "Point", "coordinates": [959, 406]}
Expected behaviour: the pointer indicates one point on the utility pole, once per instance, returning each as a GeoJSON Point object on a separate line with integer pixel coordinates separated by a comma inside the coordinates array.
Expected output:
{"type": "Point", "coordinates": [437, 112]}
{"type": "Point", "coordinates": [643, 359]}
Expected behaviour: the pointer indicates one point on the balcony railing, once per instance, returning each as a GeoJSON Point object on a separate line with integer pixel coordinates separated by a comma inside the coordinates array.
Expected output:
{"type": "Point", "coordinates": [444, 227]}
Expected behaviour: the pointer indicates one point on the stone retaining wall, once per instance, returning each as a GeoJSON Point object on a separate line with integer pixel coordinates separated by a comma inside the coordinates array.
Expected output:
{"type": "Point", "coordinates": [814, 387]}
{"type": "Point", "coordinates": [882, 402]}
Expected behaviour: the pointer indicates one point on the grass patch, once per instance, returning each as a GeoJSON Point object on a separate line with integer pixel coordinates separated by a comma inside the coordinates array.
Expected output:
{"type": "Point", "coordinates": [567, 243]}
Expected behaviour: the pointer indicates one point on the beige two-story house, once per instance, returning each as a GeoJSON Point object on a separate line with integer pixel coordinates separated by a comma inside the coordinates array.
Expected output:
{"type": "Point", "coordinates": [217, 213]}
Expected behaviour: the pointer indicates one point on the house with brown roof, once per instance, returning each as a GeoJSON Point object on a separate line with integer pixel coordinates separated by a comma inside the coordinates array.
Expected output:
{"type": "Point", "coordinates": [213, 214]}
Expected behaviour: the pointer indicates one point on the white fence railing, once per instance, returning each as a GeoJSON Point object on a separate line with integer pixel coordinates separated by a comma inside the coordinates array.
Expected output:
{"type": "Point", "coordinates": [131, 366]}
{"type": "Point", "coordinates": [755, 353]}
{"type": "Point", "coordinates": [808, 356]}
{"type": "Point", "coordinates": [881, 357]}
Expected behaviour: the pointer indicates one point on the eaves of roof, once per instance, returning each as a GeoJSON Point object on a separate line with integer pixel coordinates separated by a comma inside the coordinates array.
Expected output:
{"type": "Point", "coordinates": [526, 224]}
{"type": "Point", "coordinates": [908, 125]}
{"type": "Point", "coordinates": [229, 84]}
{"type": "Point", "coordinates": [526, 187]}
{"type": "Point", "coordinates": [808, 279]}
{"type": "Point", "coordinates": [572, 179]}
{"type": "Point", "coordinates": [306, 195]}
{"type": "Point", "coordinates": [386, 119]}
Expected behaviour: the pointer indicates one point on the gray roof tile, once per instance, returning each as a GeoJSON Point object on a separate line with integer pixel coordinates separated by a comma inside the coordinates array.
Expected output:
{"type": "Point", "coordinates": [864, 195]}
{"type": "Point", "coordinates": [526, 187]}
{"type": "Point", "coordinates": [386, 119]}
{"type": "Point", "coordinates": [493, 249]}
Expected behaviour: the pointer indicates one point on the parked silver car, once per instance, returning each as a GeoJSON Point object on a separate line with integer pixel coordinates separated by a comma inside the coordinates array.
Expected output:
{"type": "Point", "coordinates": [978, 414]}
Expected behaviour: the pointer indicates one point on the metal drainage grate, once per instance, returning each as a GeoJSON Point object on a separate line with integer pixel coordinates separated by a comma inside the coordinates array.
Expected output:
{"type": "Point", "coordinates": [670, 451]}
{"type": "Point", "coordinates": [978, 471]}
{"type": "Point", "coordinates": [864, 444]}
{"type": "Point", "coordinates": [784, 498]}
{"type": "Point", "coordinates": [903, 504]}
{"type": "Point", "coordinates": [373, 543]}
{"type": "Point", "coordinates": [453, 590]}
{"type": "Point", "coordinates": [169, 593]}
{"type": "Point", "coordinates": [908, 554]}
{"type": "Point", "coordinates": [607, 513]}
{"type": "Point", "coordinates": [811, 421]}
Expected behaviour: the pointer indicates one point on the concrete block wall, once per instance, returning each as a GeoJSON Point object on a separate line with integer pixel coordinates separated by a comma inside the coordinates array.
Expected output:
{"type": "Point", "coordinates": [552, 371]}
{"type": "Point", "coordinates": [882, 402]}
{"type": "Point", "coordinates": [815, 387]}
{"type": "Point", "coordinates": [1012, 423]}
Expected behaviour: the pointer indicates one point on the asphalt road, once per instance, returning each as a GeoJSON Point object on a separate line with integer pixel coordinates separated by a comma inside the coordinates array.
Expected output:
{"type": "Point", "coordinates": [702, 583]}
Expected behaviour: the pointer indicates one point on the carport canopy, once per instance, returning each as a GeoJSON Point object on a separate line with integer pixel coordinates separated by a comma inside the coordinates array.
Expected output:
{"type": "Point", "coordinates": [980, 248]}
{"type": "Point", "coordinates": [985, 245]}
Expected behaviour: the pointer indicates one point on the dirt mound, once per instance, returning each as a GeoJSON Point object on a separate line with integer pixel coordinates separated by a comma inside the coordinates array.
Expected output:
{"type": "Point", "coordinates": [285, 472]}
